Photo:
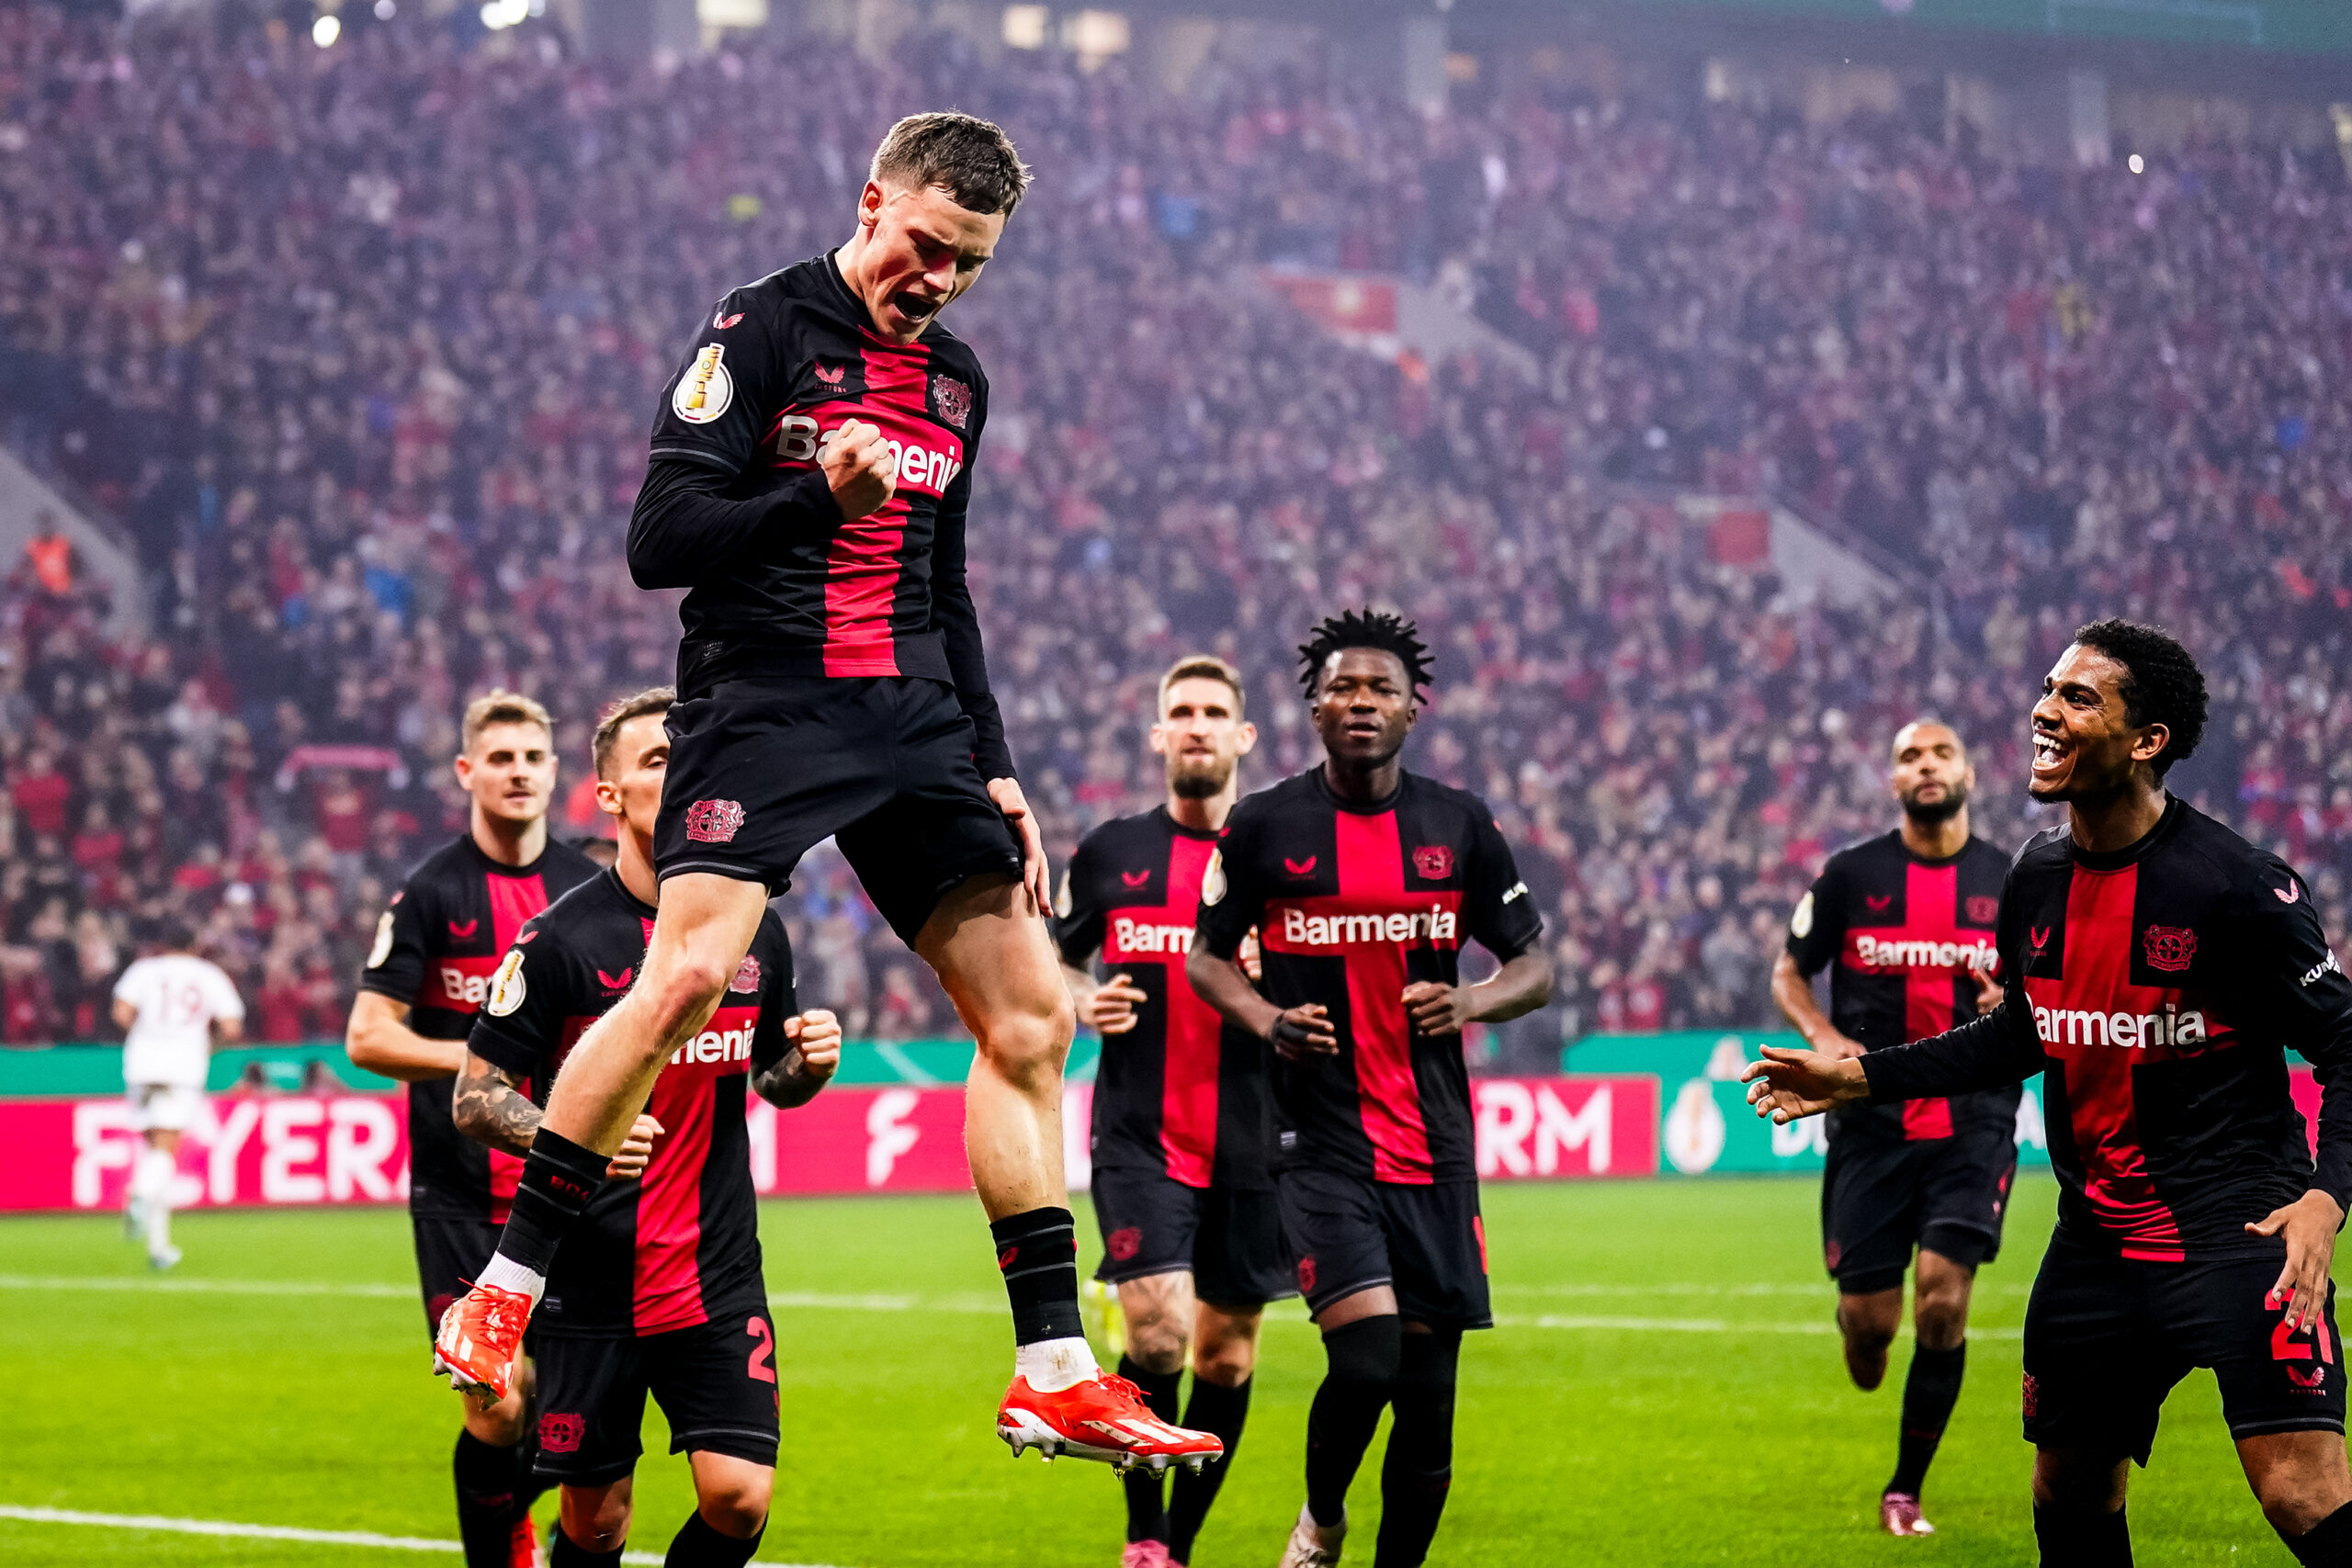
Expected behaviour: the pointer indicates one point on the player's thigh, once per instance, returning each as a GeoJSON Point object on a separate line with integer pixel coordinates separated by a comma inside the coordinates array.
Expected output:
{"type": "Point", "coordinates": [996, 962]}
{"type": "Point", "coordinates": [1240, 1258]}
{"type": "Point", "coordinates": [2097, 1368]}
{"type": "Point", "coordinates": [2274, 1377]}
{"type": "Point", "coordinates": [1333, 1224]}
{"type": "Point", "coordinates": [1869, 1211]}
{"type": "Point", "coordinates": [716, 1385]}
{"type": "Point", "coordinates": [1964, 1196]}
{"type": "Point", "coordinates": [705, 926]}
{"type": "Point", "coordinates": [1437, 1249]}
{"type": "Point", "coordinates": [736, 1490]}
{"type": "Point", "coordinates": [592, 1408]}
{"type": "Point", "coordinates": [451, 1252]}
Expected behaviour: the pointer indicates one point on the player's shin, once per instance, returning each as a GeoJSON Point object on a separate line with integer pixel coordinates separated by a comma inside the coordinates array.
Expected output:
{"type": "Point", "coordinates": [2082, 1540]}
{"type": "Point", "coordinates": [487, 1502]}
{"type": "Point", "coordinates": [1219, 1411]}
{"type": "Point", "coordinates": [559, 1180]}
{"type": "Point", "coordinates": [1930, 1392]}
{"type": "Point", "coordinates": [156, 1167]}
{"type": "Point", "coordinates": [1147, 1512]}
{"type": "Point", "coordinates": [1418, 1471]}
{"type": "Point", "coordinates": [698, 1545]}
{"type": "Point", "coordinates": [1363, 1359]}
{"type": "Point", "coordinates": [1038, 1253]}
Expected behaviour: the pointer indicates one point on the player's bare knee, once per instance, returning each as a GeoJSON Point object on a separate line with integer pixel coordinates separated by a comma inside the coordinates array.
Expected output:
{"type": "Point", "coordinates": [596, 1517]}
{"type": "Point", "coordinates": [2076, 1484]}
{"type": "Point", "coordinates": [738, 1507]}
{"type": "Point", "coordinates": [1226, 1363]}
{"type": "Point", "coordinates": [1942, 1320]}
{"type": "Point", "coordinates": [1026, 1042]}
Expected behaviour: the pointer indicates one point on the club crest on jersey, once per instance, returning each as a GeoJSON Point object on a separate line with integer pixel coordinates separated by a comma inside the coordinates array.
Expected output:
{"type": "Point", "coordinates": [560, 1433]}
{"type": "Point", "coordinates": [1982, 909]}
{"type": "Point", "coordinates": [747, 975]}
{"type": "Point", "coordinates": [2169, 948]}
{"type": "Point", "coordinates": [383, 948]}
{"type": "Point", "coordinates": [1434, 863]}
{"type": "Point", "coordinates": [714, 821]}
{"type": "Point", "coordinates": [706, 389]}
{"type": "Point", "coordinates": [953, 400]}
{"type": "Point", "coordinates": [506, 987]}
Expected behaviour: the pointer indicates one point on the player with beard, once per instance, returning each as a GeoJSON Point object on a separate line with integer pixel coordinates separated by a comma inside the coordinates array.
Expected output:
{"type": "Point", "coordinates": [1361, 880]}
{"type": "Point", "coordinates": [425, 980]}
{"type": "Point", "coordinates": [809, 485]}
{"type": "Point", "coordinates": [2157, 966]}
{"type": "Point", "coordinates": [1906, 917]}
{"type": "Point", "coordinates": [1184, 1115]}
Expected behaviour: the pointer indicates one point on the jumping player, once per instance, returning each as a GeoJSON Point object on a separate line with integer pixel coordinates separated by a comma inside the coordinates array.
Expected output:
{"type": "Point", "coordinates": [658, 1290]}
{"type": "Point", "coordinates": [175, 1009]}
{"type": "Point", "coordinates": [2157, 967]}
{"type": "Point", "coordinates": [1362, 879]}
{"type": "Point", "coordinates": [810, 477]}
{"type": "Point", "coordinates": [1907, 920]}
{"type": "Point", "coordinates": [1183, 1114]}
{"type": "Point", "coordinates": [424, 979]}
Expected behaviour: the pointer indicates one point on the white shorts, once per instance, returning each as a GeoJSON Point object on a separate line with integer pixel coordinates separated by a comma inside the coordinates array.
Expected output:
{"type": "Point", "coordinates": [164, 1107]}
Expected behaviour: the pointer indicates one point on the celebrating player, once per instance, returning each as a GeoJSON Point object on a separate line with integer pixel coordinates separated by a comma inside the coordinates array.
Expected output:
{"type": "Point", "coordinates": [426, 978]}
{"type": "Point", "coordinates": [173, 1008]}
{"type": "Point", "coordinates": [1363, 880]}
{"type": "Point", "coordinates": [657, 1289]}
{"type": "Point", "coordinates": [1182, 1109]}
{"type": "Point", "coordinates": [2157, 966]}
{"type": "Point", "coordinates": [1907, 918]}
{"type": "Point", "coordinates": [810, 477]}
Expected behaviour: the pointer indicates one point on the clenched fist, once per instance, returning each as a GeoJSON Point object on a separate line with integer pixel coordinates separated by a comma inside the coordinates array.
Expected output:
{"type": "Point", "coordinates": [860, 468]}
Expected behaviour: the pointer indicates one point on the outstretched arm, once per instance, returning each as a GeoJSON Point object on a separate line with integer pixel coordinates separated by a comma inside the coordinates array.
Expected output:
{"type": "Point", "coordinates": [1988, 1052]}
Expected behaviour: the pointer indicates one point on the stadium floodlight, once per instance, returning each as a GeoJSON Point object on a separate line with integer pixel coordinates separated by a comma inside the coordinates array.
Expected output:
{"type": "Point", "coordinates": [326, 30]}
{"type": "Point", "coordinates": [498, 15]}
{"type": "Point", "coordinates": [386, 10]}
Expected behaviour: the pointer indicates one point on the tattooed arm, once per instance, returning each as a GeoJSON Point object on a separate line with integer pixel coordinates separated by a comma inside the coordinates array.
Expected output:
{"type": "Point", "coordinates": [490, 1108]}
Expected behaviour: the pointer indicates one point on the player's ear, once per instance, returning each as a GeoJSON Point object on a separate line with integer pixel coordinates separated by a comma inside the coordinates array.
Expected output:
{"type": "Point", "coordinates": [869, 205]}
{"type": "Point", "coordinates": [2151, 741]}
{"type": "Point", "coordinates": [609, 798]}
{"type": "Point", "coordinates": [1158, 737]}
{"type": "Point", "coordinates": [464, 768]}
{"type": "Point", "coordinates": [1245, 739]}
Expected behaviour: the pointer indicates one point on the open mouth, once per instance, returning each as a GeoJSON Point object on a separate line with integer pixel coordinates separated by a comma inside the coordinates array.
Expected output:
{"type": "Point", "coordinates": [2047, 754]}
{"type": "Point", "coordinates": [913, 307]}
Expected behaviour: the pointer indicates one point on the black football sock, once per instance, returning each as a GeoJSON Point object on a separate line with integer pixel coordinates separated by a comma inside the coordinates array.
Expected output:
{"type": "Point", "coordinates": [1928, 1395]}
{"type": "Point", "coordinates": [696, 1545]}
{"type": "Point", "coordinates": [1146, 1514]}
{"type": "Point", "coordinates": [1418, 1471]}
{"type": "Point", "coordinates": [486, 1501]}
{"type": "Point", "coordinates": [559, 1179]}
{"type": "Point", "coordinates": [2082, 1540]}
{"type": "Point", "coordinates": [1037, 1254]}
{"type": "Point", "coordinates": [565, 1552]}
{"type": "Point", "coordinates": [2327, 1544]}
{"type": "Point", "coordinates": [1340, 1423]}
{"type": "Point", "coordinates": [1218, 1411]}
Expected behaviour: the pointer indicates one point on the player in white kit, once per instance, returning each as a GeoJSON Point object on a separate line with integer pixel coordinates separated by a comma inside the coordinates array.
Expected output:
{"type": "Point", "coordinates": [175, 1009]}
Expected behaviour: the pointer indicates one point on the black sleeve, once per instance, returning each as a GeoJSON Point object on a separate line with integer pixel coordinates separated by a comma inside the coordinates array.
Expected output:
{"type": "Point", "coordinates": [395, 966]}
{"type": "Point", "coordinates": [959, 623]}
{"type": "Point", "coordinates": [1077, 914]}
{"type": "Point", "coordinates": [520, 1026]}
{"type": "Point", "coordinates": [1817, 928]}
{"type": "Point", "coordinates": [1991, 1051]}
{"type": "Point", "coordinates": [684, 526]}
{"type": "Point", "coordinates": [779, 993]}
{"type": "Point", "coordinates": [2300, 989]}
{"type": "Point", "coordinates": [1233, 896]}
{"type": "Point", "coordinates": [1498, 911]}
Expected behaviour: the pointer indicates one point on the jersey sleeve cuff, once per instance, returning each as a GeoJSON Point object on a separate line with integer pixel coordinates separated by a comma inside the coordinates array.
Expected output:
{"type": "Point", "coordinates": [404, 994]}
{"type": "Point", "coordinates": [502, 1052]}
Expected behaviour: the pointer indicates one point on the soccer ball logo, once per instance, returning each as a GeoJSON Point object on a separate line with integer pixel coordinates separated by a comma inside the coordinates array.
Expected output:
{"type": "Point", "coordinates": [714, 821]}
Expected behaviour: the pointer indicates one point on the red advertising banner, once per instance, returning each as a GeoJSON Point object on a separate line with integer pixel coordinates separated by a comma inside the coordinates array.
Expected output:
{"type": "Point", "coordinates": [1565, 1127]}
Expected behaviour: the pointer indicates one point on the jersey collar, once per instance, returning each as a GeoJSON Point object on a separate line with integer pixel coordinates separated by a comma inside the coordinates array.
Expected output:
{"type": "Point", "coordinates": [2132, 853]}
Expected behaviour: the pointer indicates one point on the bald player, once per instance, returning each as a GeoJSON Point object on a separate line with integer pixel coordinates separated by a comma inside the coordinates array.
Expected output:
{"type": "Point", "coordinates": [1906, 918]}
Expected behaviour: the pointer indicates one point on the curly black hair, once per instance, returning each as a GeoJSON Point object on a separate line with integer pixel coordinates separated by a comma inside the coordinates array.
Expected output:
{"type": "Point", "coordinates": [2161, 682]}
{"type": "Point", "coordinates": [1366, 628]}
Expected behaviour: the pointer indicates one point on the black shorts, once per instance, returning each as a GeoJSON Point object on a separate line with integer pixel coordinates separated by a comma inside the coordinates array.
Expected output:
{"type": "Point", "coordinates": [450, 1253]}
{"type": "Point", "coordinates": [1351, 1232]}
{"type": "Point", "coordinates": [759, 770]}
{"type": "Point", "coordinates": [1880, 1197]}
{"type": "Point", "coordinates": [2106, 1337]}
{"type": "Point", "coordinates": [716, 1383]}
{"type": "Point", "coordinates": [1230, 1241]}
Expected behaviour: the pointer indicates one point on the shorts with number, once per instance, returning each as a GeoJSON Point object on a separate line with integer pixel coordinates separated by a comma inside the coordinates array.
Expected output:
{"type": "Point", "coordinates": [716, 1384]}
{"type": "Point", "coordinates": [1879, 1196]}
{"type": "Point", "coordinates": [450, 1254]}
{"type": "Point", "coordinates": [1230, 1241]}
{"type": "Point", "coordinates": [761, 770]}
{"type": "Point", "coordinates": [164, 1107]}
{"type": "Point", "coordinates": [2106, 1337]}
{"type": "Point", "coordinates": [1427, 1242]}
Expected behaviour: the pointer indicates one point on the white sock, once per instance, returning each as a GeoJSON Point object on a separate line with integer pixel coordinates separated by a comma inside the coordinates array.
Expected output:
{"type": "Point", "coordinates": [1053, 1365]}
{"type": "Point", "coordinates": [505, 1274]}
{"type": "Point", "coordinates": [156, 1169]}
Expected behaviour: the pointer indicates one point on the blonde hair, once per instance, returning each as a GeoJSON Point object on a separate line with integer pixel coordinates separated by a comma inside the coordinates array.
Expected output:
{"type": "Point", "coordinates": [503, 707]}
{"type": "Point", "coordinates": [1205, 667]}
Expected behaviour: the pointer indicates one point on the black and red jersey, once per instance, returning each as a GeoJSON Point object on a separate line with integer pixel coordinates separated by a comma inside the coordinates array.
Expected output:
{"type": "Point", "coordinates": [680, 1246]}
{"type": "Point", "coordinates": [736, 509]}
{"type": "Point", "coordinates": [436, 946]}
{"type": "Point", "coordinates": [1352, 904]}
{"type": "Point", "coordinates": [2157, 989]}
{"type": "Point", "coordinates": [1908, 937]}
{"type": "Point", "coordinates": [1184, 1092]}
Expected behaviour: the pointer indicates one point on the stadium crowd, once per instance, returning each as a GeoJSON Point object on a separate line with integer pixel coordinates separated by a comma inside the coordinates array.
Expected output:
{"type": "Point", "coordinates": [360, 347]}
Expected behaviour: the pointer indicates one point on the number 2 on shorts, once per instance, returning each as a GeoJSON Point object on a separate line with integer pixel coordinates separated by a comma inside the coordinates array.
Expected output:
{"type": "Point", "coordinates": [762, 1365]}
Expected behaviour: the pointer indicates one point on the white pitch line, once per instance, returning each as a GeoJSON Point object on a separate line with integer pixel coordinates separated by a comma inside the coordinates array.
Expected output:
{"type": "Point", "coordinates": [364, 1539]}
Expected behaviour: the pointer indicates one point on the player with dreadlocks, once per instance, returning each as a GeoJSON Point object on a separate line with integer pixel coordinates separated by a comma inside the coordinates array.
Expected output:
{"type": "Point", "coordinates": [1361, 880]}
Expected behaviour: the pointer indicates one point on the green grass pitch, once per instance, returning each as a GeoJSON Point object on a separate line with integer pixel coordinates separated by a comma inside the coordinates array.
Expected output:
{"type": "Point", "coordinates": [1664, 1389]}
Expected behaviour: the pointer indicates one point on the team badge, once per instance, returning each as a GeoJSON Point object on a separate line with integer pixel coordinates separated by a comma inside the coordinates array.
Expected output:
{"type": "Point", "coordinates": [706, 389]}
{"type": "Point", "coordinates": [1306, 1276]}
{"type": "Point", "coordinates": [714, 821]}
{"type": "Point", "coordinates": [1801, 924]}
{"type": "Point", "coordinates": [2169, 948]}
{"type": "Point", "coordinates": [952, 399]}
{"type": "Point", "coordinates": [383, 948]}
{"type": "Point", "coordinates": [1123, 1243]}
{"type": "Point", "coordinates": [1982, 909]}
{"type": "Point", "coordinates": [561, 1434]}
{"type": "Point", "coordinates": [506, 987]}
{"type": "Point", "coordinates": [1434, 863]}
{"type": "Point", "coordinates": [1213, 878]}
{"type": "Point", "coordinates": [747, 975]}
